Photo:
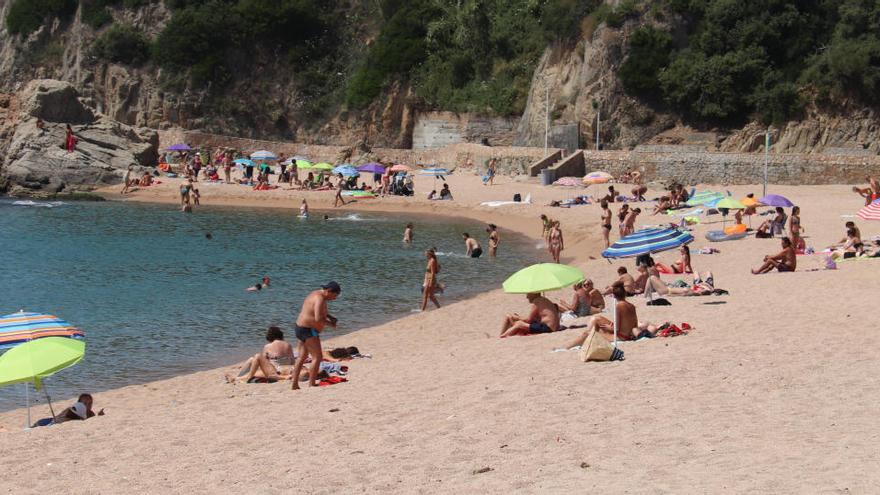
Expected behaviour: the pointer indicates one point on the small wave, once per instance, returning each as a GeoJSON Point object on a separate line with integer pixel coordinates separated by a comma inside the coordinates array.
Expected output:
{"type": "Point", "coordinates": [27, 202]}
{"type": "Point", "coordinates": [353, 217]}
{"type": "Point", "coordinates": [450, 254]}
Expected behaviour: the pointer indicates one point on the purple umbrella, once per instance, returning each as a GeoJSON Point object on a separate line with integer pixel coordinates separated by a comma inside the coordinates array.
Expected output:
{"type": "Point", "coordinates": [776, 200]}
{"type": "Point", "coordinates": [179, 147]}
{"type": "Point", "coordinates": [372, 168]}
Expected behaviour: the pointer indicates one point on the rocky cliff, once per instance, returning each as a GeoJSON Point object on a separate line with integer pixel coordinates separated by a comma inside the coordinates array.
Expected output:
{"type": "Point", "coordinates": [32, 139]}
{"type": "Point", "coordinates": [575, 86]}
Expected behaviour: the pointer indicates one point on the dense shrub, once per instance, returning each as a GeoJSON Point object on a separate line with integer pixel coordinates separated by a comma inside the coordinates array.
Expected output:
{"type": "Point", "coordinates": [400, 47]}
{"type": "Point", "coordinates": [649, 51]}
{"type": "Point", "coordinates": [122, 44]}
{"type": "Point", "coordinates": [95, 12]}
{"type": "Point", "coordinates": [26, 16]}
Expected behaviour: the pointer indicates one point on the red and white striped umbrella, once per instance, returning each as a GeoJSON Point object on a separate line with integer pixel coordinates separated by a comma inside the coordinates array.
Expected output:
{"type": "Point", "coordinates": [870, 212]}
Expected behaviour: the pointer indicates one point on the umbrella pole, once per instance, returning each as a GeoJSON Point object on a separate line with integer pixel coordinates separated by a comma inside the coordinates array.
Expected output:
{"type": "Point", "coordinates": [46, 391]}
{"type": "Point", "coordinates": [614, 313]}
{"type": "Point", "coordinates": [27, 398]}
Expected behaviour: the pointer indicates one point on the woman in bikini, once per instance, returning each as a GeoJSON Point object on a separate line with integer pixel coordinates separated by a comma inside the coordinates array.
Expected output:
{"type": "Point", "coordinates": [683, 265]}
{"type": "Point", "coordinates": [556, 242]}
{"type": "Point", "coordinates": [429, 286]}
{"type": "Point", "coordinates": [272, 364]}
{"type": "Point", "coordinates": [585, 301]}
{"type": "Point", "coordinates": [621, 217]}
{"type": "Point", "coordinates": [794, 228]}
{"type": "Point", "coordinates": [606, 223]}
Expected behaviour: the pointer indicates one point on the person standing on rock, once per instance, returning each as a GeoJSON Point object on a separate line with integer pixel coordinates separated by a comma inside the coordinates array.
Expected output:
{"type": "Point", "coordinates": [126, 180]}
{"type": "Point", "coordinates": [70, 140]}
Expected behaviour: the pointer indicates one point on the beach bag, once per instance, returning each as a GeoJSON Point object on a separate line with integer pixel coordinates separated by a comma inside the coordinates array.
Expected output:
{"type": "Point", "coordinates": [596, 348]}
{"type": "Point", "coordinates": [517, 198]}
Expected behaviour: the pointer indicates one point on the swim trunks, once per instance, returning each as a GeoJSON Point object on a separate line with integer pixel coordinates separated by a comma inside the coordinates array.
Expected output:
{"type": "Point", "coordinates": [607, 226]}
{"type": "Point", "coordinates": [305, 333]}
{"type": "Point", "coordinates": [539, 327]}
{"type": "Point", "coordinates": [476, 253]}
{"type": "Point", "coordinates": [782, 267]}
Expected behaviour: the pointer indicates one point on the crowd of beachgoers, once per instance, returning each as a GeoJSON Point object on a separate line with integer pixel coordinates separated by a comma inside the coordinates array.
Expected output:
{"type": "Point", "coordinates": [585, 309]}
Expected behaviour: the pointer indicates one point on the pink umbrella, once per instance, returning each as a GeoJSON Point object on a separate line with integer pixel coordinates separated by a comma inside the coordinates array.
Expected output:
{"type": "Point", "coordinates": [400, 168]}
{"type": "Point", "coordinates": [567, 181]}
{"type": "Point", "coordinates": [870, 212]}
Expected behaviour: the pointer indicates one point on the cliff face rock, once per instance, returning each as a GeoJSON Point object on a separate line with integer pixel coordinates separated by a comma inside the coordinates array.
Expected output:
{"type": "Point", "coordinates": [34, 160]}
{"type": "Point", "coordinates": [575, 84]}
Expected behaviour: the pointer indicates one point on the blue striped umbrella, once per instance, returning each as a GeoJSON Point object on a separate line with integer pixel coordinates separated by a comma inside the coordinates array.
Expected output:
{"type": "Point", "coordinates": [346, 169]}
{"type": "Point", "coordinates": [648, 241]}
{"type": "Point", "coordinates": [705, 198]}
{"type": "Point", "coordinates": [435, 171]}
{"type": "Point", "coordinates": [263, 155]}
{"type": "Point", "coordinates": [243, 161]}
{"type": "Point", "coordinates": [21, 327]}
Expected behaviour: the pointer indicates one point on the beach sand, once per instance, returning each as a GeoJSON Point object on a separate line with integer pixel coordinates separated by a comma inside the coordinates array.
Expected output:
{"type": "Point", "coordinates": [773, 391]}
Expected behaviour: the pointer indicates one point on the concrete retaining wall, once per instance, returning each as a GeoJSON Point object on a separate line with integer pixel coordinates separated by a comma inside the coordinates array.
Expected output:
{"type": "Point", "coordinates": [545, 162]}
{"type": "Point", "coordinates": [439, 129]}
{"type": "Point", "coordinates": [570, 166]}
{"type": "Point", "coordinates": [736, 168]}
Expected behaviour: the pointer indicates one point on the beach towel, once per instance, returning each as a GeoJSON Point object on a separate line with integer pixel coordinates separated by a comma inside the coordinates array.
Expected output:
{"type": "Point", "coordinates": [495, 204]}
{"type": "Point", "coordinates": [670, 330]}
{"type": "Point", "coordinates": [333, 380]}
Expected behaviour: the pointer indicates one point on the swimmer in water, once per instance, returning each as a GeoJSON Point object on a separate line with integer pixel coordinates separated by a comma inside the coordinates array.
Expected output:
{"type": "Point", "coordinates": [304, 209]}
{"type": "Point", "coordinates": [408, 234]}
{"type": "Point", "coordinates": [255, 288]}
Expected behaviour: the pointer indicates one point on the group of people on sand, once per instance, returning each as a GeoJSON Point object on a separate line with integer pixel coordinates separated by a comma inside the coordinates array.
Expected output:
{"type": "Point", "coordinates": [431, 285]}
{"type": "Point", "coordinates": [544, 316]}
{"type": "Point", "coordinates": [278, 360]}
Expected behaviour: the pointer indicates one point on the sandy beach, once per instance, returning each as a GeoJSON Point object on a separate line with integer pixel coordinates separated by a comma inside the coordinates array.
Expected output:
{"type": "Point", "coordinates": [772, 392]}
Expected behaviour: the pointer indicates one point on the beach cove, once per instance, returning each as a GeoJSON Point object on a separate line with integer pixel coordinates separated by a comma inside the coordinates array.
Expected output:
{"type": "Point", "coordinates": [770, 392]}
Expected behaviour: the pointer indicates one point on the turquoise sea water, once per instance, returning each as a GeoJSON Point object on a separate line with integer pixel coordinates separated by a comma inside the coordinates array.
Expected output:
{"type": "Point", "coordinates": [157, 298]}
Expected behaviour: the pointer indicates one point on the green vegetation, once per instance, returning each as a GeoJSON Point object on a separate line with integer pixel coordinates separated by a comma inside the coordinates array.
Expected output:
{"type": "Point", "coordinates": [468, 55]}
{"type": "Point", "coordinates": [95, 12]}
{"type": "Point", "coordinates": [744, 59]}
{"type": "Point", "coordinates": [26, 16]}
{"type": "Point", "coordinates": [207, 38]}
{"type": "Point", "coordinates": [122, 44]}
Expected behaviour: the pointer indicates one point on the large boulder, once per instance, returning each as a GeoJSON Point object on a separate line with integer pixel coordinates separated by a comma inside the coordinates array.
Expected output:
{"type": "Point", "coordinates": [36, 160]}
{"type": "Point", "coordinates": [55, 101]}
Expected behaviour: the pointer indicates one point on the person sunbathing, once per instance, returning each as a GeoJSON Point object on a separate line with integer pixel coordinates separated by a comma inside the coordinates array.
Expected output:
{"type": "Point", "coordinates": [80, 410]}
{"type": "Point", "coordinates": [683, 265]}
{"type": "Point", "coordinates": [628, 326]}
{"type": "Point", "coordinates": [784, 261]}
{"type": "Point", "coordinates": [702, 287]}
{"type": "Point", "coordinates": [629, 283]}
{"type": "Point", "coordinates": [662, 205]}
{"type": "Point", "coordinates": [849, 226]}
{"type": "Point", "coordinates": [851, 248]}
{"type": "Point", "coordinates": [273, 363]}
{"type": "Point", "coordinates": [543, 317]}
{"type": "Point", "coordinates": [585, 301]}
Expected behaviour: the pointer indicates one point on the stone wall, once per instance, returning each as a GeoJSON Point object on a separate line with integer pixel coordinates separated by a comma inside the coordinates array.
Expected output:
{"type": "Point", "coordinates": [439, 129]}
{"type": "Point", "coordinates": [570, 166]}
{"type": "Point", "coordinates": [688, 167]}
{"type": "Point", "coordinates": [736, 168]}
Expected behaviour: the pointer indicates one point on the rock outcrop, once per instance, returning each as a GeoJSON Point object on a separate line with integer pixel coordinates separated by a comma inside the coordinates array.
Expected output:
{"type": "Point", "coordinates": [32, 155]}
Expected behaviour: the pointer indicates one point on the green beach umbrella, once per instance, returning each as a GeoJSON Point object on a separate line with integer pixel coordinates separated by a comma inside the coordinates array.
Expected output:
{"type": "Point", "coordinates": [303, 164]}
{"type": "Point", "coordinates": [541, 278]}
{"type": "Point", "coordinates": [36, 359]}
{"type": "Point", "coordinates": [322, 166]}
{"type": "Point", "coordinates": [704, 197]}
{"type": "Point", "coordinates": [730, 204]}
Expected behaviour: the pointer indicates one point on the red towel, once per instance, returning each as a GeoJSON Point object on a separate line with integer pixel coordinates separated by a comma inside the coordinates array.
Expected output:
{"type": "Point", "coordinates": [333, 380]}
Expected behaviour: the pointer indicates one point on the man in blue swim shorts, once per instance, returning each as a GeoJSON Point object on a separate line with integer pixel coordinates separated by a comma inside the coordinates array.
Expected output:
{"type": "Point", "coordinates": [311, 320]}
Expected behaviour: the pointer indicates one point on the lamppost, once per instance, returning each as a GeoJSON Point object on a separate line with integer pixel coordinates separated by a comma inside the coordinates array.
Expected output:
{"type": "Point", "coordinates": [546, 114]}
{"type": "Point", "coordinates": [767, 144]}
{"type": "Point", "coordinates": [598, 120]}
